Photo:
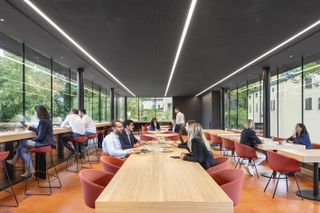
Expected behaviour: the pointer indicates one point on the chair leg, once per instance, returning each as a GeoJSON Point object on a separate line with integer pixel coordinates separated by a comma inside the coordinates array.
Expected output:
{"type": "Point", "coordinates": [254, 164]}
{"type": "Point", "coordinates": [12, 190]}
{"type": "Point", "coordinates": [237, 163]}
{"type": "Point", "coordinates": [295, 178]}
{"type": "Point", "coordinates": [287, 177]}
{"type": "Point", "coordinates": [241, 163]}
{"type": "Point", "coordinates": [267, 184]}
{"type": "Point", "coordinates": [274, 193]}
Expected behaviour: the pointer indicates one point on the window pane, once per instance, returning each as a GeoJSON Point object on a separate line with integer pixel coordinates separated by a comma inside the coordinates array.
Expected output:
{"type": "Point", "coordinates": [164, 108]}
{"type": "Point", "coordinates": [226, 110]}
{"type": "Point", "coordinates": [132, 111]}
{"type": "Point", "coordinates": [103, 107]}
{"type": "Point", "coordinates": [95, 106]}
{"type": "Point", "coordinates": [147, 108]}
{"type": "Point", "coordinates": [120, 109]}
{"type": "Point", "coordinates": [10, 90]}
{"type": "Point", "coordinates": [233, 109]}
{"type": "Point", "coordinates": [312, 99]}
{"type": "Point", "coordinates": [289, 101]}
{"type": "Point", "coordinates": [242, 117]}
{"type": "Point", "coordinates": [273, 106]}
{"type": "Point", "coordinates": [88, 100]}
{"type": "Point", "coordinates": [38, 88]}
{"type": "Point", "coordinates": [74, 97]}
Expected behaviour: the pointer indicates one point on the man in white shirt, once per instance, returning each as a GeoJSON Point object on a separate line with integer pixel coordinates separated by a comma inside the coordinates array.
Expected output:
{"type": "Point", "coordinates": [111, 143]}
{"type": "Point", "coordinates": [180, 120]}
{"type": "Point", "coordinates": [89, 124]}
{"type": "Point", "coordinates": [74, 121]}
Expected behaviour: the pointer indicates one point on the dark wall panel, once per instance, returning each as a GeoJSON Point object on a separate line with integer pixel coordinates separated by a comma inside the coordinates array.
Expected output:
{"type": "Point", "coordinates": [207, 111]}
{"type": "Point", "coordinates": [190, 106]}
{"type": "Point", "coordinates": [216, 117]}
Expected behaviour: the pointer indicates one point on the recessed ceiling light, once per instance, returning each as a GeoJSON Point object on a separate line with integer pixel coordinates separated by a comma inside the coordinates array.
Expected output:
{"type": "Point", "coordinates": [77, 45]}
{"type": "Point", "coordinates": [61, 57]}
{"type": "Point", "coordinates": [1, 19]}
{"type": "Point", "coordinates": [262, 56]}
{"type": "Point", "coordinates": [183, 36]}
{"type": "Point", "coordinates": [291, 56]}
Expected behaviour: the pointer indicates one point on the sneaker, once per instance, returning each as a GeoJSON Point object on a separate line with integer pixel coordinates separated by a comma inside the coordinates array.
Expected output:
{"type": "Point", "coordinates": [249, 170]}
{"type": "Point", "coordinates": [11, 162]}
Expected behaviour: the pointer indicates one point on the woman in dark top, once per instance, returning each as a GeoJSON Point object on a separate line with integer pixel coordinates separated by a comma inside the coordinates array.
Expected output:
{"type": "Point", "coordinates": [154, 126]}
{"type": "Point", "coordinates": [44, 137]}
{"type": "Point", "coordinates": [199, 146]}
{"type": "Point", "coordinates": [249, 138]}
{"type": "Point", "coordinates": [301, 136]}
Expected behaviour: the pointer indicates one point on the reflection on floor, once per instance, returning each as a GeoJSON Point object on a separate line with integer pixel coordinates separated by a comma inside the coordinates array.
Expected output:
{"type": "Point", "coordinates": [253, 199]}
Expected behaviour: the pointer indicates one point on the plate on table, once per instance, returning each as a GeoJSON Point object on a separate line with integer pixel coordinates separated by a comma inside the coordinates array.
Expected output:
{"type": "Point", "coordinates": [167, 150]}
{"type": "Point", "coordinates": [145, 150]}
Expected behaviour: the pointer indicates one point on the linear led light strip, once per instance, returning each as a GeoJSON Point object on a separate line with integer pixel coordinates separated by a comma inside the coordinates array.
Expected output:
{"type": "Point", "coordinates": [262, 56]}
{"type": "Point", "coordinates": [183, 36]}
{"type": "Point", "coordinates": [44, 16]}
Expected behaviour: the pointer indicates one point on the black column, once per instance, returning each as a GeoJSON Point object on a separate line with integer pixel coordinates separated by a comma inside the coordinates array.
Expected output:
{"type": "Point", "coordinates": [111, 104]}
{"type": "Point", "coordinates": [125, 108]}
{"type": "Point", "coordinates": [80, 88]}
{"type": "Point", "coordinates": [266, 101]}
{"type": "Point", "coordinates": [222, 108]}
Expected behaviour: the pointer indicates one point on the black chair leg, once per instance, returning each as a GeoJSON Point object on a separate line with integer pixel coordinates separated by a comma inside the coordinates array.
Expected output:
{"type": "Point", "coordinates": [254, 164]}
{"type": "Point", "coordinates": [241, 163]}
{"type": "Point", "coordinates": [295, 178]}
{"type": "Point", "coordinates": [267, 184]}
{"type": "Point", "coordinates": [287, 176]}
{"type": "Point", "coordinates": [237, 163]}
{"type": "Point", "coordinates": [274, 193]}
{"type": "Point", "coordinates": [12, 190]}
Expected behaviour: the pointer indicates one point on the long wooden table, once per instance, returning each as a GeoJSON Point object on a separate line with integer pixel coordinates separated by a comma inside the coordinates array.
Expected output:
{"type": "Point", "coordinates": [25, 134]}
{"type": "Point", "coordinates": [156, 183]}
{"type": "Point", "coordinates": [307, 156]}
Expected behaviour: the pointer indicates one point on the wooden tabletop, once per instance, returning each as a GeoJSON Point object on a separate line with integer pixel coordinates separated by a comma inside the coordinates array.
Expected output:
{"type": "Point", "coordinates": [24, 134]}
{"type": "Point", "coordinates": [217, 131]}
{"type": "Point", "coordinates": [155, 182]}
{"type": "Point", "coordinates": [305, 156]}
{"type": "Point", "coordinates": [267, 144]}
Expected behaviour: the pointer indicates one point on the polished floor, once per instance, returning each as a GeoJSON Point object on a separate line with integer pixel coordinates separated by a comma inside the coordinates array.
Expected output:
{"type": "Point", "coordinates": [253, 199]}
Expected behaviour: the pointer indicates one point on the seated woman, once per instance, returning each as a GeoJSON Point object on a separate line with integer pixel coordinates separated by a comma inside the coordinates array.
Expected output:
{"type": "Point", "coordinates": [199, 146]}
{"type": "Point", "coordinates": [183, 144]}
{"type": "Point", "coordinates": [154, 126]}
{"type": "Point", "coordinates": [300, 136]}
{"type": "Point", "coordinates": [44, 137]}
{"type": "Point", "coordinates": [249, 138]}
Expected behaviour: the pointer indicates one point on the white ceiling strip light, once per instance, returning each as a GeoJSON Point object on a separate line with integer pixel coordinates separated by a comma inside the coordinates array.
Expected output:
{"type": "Point", "coordinates": [262, 56]}
{"type": "Point", "coordinates": [183, 36]}
{"type": "Point", "coordinates": [44, 16]}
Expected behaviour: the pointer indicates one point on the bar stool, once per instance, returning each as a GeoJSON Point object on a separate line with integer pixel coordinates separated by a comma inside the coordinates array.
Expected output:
{"type": "Point", "coordinates": [43, 150]}
{"type": "Point", "coordinates": [92, 137]}
{"type": "Point", "coordinates": [3, 157]}
{"type": "Point", "coordinates": [79, 140]}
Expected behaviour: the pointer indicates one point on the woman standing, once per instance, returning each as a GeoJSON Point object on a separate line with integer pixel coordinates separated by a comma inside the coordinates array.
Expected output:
{"type": "Point", "coordinates": [44, 137]}
{"type": "Point", "coordinates": [199, 146]}
{"type": "Point", "coordinates": [301, 136]}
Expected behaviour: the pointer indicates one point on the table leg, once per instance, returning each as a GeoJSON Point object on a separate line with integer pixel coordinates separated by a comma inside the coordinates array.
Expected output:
{"type": "Point", "coordinates": [312, 194]}
{"type": "Point", "coordinates": [60, 148]}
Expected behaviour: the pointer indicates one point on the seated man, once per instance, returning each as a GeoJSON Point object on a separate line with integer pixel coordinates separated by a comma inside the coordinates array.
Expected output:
{"type": "Point", "coordinates": [127, 139]}
{"type": "Point", "coordinates": [111, 143]}
{"type": "Point", "coordinates": [74, 121]}
{"type": "Point", "coordinates": [89, 124]}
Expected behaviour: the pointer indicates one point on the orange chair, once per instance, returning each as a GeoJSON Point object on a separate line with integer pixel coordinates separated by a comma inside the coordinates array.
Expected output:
{"type": "Point", "coordinates": [228, 145]}
{"type": "Point", "coordinates": [207, 136]}
{"type": "Point", "coordinates": [146, 138]}
{"type": "Point", "coordinates": [222, 163]}
{"type": "Point", "coordinates": [173, 137]}
{"type": "Point", "coordinates": [284, 166]}
{"type": "Point", "coordinates": [216, 140]}
{"type": "Point", "coordinates": [3, 157]}
{"type": "Point", "coordinates": [111, 164]}
{"type": "Point", "coordinates": [315, 146]}
{"type": "Point", "coordinates": [278, 139]}
{"type": "Point", "coordinates": [245, 152]}
{"type": "Point", "coordinates": [144, 129]}
{"type": "Point", "coordinates": [93, 183]}
{"type": "Point", "coordinates": [231, 181]}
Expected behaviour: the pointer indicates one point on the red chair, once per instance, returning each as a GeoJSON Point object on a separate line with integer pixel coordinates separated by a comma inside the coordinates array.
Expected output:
{"type": "Point", "coordinates": [278, 139]}
{"type": "Point", "coordinates": [228, 145]}
{"type": "Point", "coordinates": [222, 163]}
{"type": "Point", "coordinates": [172, 137]}
{"type": "Point", "coordinates": [3, 157]}
{"type": "Point", "coordinates": [146, 138]}
{"type": "Point", "coordinates": [92, 138]}
{"type": "Point", "coordinates": [207, 136]}
{"type": "Point", "coordinates": [111, 164]}
{"type": "Point", "coordinates": [93, 183]}
{"type": "Point", "coordinates": [144, 129]}
{"type": "Point", "coordinates": [245, 152]}
{"type": "Point", "coordinates": [284, 166]}
{"type": "Point", "coordinates": [47, 175]}
{"type": "Point", "coordinates": [79, 140]}
{"type": "Point", "coordinates": [216, 140]}
{"type": "Point", "coordinates": [230, 181]}
{"type": "Point", "coordinates": [315, 146]}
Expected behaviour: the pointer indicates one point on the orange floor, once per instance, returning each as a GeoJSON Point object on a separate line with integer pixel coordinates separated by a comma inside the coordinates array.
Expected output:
{"type": "Point", "coordinates": [253, 199]}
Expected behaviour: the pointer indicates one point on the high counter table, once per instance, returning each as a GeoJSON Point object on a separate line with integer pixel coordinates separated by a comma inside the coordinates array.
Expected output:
{"type": "Point", "coordinates": [156, 183]}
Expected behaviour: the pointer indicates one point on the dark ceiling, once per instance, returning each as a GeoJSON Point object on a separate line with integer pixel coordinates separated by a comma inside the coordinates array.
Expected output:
{"type": "Point", "coordinates": [137, 39]}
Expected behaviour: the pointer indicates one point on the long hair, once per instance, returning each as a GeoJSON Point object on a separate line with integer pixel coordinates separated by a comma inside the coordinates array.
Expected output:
{"type": "Point", "coordinates": [195, 130]}
{"type": "Point", "coordinates": [249, 124]}
{"type": "Point", "coordinates": [42, 112]}
{"type": "Point", "coordinates": [303, 127]}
